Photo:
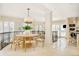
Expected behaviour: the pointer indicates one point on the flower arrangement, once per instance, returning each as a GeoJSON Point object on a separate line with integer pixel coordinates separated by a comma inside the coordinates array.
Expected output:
{"type": "Point", "coordinates": [27, 27]}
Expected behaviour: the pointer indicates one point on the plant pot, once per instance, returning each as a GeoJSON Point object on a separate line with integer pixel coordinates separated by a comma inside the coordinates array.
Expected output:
{"type": "Point", "coordinates": [27, 32]}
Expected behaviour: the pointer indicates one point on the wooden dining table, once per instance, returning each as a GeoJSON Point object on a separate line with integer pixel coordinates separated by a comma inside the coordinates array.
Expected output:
{"type": "Point", "coordinates": [26, 37]}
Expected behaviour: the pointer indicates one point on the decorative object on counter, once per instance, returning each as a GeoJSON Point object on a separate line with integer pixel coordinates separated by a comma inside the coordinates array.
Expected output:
{"type": "Point", "coordinates": [72, 29]}
{"type": "Point", "coordinates": [64, 26]}
{"type": "Point", "coordinates": [71, 25]}
{"type": "Point", "coordinates": [73, 35]}
{"type": "Point", "coordinates": [77, 31]}
{"type": "Point", "coordinates": [27, 29]}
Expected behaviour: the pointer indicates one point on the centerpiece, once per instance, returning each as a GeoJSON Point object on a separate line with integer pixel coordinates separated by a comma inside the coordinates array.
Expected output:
{"type": "Point", "coordinates": [27, 29]}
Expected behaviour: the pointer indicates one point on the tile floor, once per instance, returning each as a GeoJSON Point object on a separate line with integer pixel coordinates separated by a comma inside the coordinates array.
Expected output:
{"type": "Point", "coordinates": [51, 50]}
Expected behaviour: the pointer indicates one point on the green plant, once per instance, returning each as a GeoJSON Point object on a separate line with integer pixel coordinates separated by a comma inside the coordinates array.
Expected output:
{"type": "Point", "coordinates": [27, 27]}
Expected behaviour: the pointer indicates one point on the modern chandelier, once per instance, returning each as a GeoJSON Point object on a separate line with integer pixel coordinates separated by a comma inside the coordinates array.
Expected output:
{"type": "Point", "coordinates": [28, 18]}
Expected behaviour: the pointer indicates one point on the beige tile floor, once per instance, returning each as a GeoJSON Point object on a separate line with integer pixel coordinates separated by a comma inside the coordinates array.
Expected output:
{"type": "Point", "coordinates": [50, 50]}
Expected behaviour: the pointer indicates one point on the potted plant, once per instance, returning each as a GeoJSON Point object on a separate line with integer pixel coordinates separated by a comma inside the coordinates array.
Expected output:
{"type": "Point", "coordinates": [27, 29]}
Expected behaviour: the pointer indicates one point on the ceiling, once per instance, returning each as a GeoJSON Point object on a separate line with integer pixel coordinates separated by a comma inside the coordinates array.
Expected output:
{"type": "Point", "coordinates": [63, 10]}
{"type": "Point", "coordinates": [60, 10]}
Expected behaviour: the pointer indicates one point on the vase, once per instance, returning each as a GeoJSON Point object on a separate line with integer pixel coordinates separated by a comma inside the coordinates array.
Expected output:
{"type": "Point", "coordinates": [27, 32]}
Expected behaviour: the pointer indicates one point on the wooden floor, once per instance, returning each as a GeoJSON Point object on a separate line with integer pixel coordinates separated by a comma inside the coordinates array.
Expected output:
{"type": "Point", "coordinates": [50, 50]}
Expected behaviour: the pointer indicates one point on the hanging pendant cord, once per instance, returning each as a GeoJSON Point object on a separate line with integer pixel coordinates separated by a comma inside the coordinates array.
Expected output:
{"type": "Point", "coordinates": [28, 11]}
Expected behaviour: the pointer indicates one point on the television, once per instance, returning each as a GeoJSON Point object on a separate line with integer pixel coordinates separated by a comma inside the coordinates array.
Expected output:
{"type": "Point", "coordinates": [64, 26]}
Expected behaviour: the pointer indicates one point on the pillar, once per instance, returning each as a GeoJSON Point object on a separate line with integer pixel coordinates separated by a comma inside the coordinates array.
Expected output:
{"type": "Point", "coordinates": [48, 28]}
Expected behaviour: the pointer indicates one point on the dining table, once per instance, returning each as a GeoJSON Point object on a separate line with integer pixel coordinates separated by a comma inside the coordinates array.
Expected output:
{"type": "Point", "coordinates": [26, 37]}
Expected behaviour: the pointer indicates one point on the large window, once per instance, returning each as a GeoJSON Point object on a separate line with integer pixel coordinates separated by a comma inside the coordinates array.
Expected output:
{"type": "Point", "coordinates": [1, 27]}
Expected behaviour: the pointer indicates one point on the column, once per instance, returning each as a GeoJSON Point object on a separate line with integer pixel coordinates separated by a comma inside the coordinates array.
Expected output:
{"type": "Point", "coordinates": [48, 28]}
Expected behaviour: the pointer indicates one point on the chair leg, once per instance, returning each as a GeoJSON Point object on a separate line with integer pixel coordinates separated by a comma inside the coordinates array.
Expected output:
{"type": "Point", "coordinates": [43, 44]}
{"type": "Point", "coordinates": [33, 46]}
{"type": "Point", "coordinates": [36, 43]}
{"type": "Point", "coordinates": [15, 47]}
{"type": "Point", "coordinates": [24, 48]}
{"type": "Point", "coordinates": [11, 46]}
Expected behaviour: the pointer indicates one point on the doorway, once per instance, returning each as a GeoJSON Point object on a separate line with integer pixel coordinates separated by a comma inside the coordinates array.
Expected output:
{"type": "Point", "coordinates": [59, 35]}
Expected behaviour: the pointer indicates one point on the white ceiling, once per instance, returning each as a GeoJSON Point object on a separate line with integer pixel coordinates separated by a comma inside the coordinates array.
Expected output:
{"type": "Point", "coordinates": [60, 11]}
{"type": "Point", "coordinates": [63, 10]}
{"type": "Point", "coordinates": [20, 10]}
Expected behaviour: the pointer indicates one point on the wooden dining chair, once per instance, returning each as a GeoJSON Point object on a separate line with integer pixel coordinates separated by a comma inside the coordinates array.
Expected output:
{"type": "Point", "coordinates": [30, 42]}
{"type": "Point", "coordinates": [16, 42]}
{"type": "Point", "coordinates": [40, 39]}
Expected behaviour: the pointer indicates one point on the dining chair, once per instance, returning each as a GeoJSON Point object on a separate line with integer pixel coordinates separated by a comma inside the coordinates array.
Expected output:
{"type": "Point", "coordinates": [33, 43]}
{"type": "Point", "coordinates": [30, 42]}
{"type": "Point", "coordinates": [16, 42]}
{"type": "Point", "coordinates": [40, 39]}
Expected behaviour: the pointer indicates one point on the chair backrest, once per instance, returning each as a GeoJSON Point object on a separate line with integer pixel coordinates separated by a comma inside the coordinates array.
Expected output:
{"type": "Point", "coordinates": [42, 35]}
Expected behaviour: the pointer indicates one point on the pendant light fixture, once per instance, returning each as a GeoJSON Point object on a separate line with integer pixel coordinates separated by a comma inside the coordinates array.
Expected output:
{"type": "Point", "coordinates": [28, 18]}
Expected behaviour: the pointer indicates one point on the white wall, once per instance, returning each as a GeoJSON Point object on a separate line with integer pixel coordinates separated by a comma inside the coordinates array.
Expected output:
{"type": "Point", "coordinates": [58, 22]}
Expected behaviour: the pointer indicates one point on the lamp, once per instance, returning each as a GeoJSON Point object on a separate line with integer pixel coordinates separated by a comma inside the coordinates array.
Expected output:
{"type": "Point", "coordinates": [28, 18]}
